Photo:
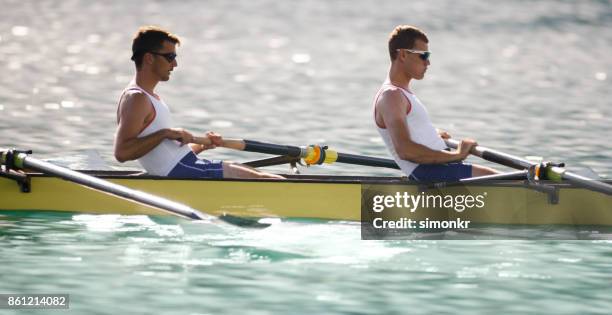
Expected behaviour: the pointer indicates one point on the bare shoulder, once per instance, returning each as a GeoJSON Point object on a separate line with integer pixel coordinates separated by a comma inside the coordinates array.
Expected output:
{"type": "Point", "coordinates": [392, 99]}
{"type": "Point", "coordinates": [134, 97]}
{"type": "Point", "coordinates": [136, 101]}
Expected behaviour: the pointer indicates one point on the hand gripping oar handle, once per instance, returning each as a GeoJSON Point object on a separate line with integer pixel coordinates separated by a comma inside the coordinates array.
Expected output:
{"type": "Point", "coordinates": [494, 156]}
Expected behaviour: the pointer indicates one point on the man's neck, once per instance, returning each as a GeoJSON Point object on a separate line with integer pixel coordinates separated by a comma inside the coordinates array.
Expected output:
{"type": "Point", "coordinates": [398, 78]}
{"type": "Point", "coordinates": [146, 82]}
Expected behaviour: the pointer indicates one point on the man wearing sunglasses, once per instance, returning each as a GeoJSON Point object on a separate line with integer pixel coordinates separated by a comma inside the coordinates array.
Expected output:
{"type": "Point", "coordinates": [403, 122]}
{"type": "Point", "coordinates": [145, 129]}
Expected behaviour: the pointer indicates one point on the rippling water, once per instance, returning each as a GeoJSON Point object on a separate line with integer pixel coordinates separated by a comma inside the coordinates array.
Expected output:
{"type": "Point", "coordinates": [112, 264]}
{"type": "Point", "coordinates": [529, 77]}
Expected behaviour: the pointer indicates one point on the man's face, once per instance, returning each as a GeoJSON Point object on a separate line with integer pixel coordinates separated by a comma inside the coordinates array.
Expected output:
{"type": "Point", "coordinates": [164, 61]}
{"type": "Point", "coordinates": [415, 65]}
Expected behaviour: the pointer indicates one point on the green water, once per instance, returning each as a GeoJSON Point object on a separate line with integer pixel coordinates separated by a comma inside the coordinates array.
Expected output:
{"type": "Point", "coordinates": [525, 77]}
{"type": "Point", "coordinates": [130, 264]}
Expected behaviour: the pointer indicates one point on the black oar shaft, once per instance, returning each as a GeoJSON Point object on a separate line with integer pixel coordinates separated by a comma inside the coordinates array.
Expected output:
{"type": "Point", "coordinates": [366, 160]}
{"type": "Point", "coordinates": [294, 151]}
{"type": "Point", "coordinates": [112, 188]}
{"type": "Point", "coordinates": [270, 148]}
{"type": "Point", "coordinates": [555, 173]}
{"type": "Point", "coordinates": [584, 181]}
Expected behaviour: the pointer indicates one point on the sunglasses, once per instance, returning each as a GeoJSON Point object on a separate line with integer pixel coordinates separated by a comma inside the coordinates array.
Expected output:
{"type": "Point", "coordinates": [170, 57]}
{"type": "Point", "coordinates": [422, 53]}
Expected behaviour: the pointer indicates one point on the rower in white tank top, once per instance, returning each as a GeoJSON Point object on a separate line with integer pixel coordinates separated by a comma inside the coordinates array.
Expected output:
{"type": "Point", "coordinates": [420, 128]}
{"type": "Point", "coordinates": [165, 156]}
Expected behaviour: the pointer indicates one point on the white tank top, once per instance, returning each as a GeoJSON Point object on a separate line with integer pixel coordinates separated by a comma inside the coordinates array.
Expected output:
{"type": "Point", "coordinates": [419, 125]}
{"type": "Point", "coordinates": [164, 157]}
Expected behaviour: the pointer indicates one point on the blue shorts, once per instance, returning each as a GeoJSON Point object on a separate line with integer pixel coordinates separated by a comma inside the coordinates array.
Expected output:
{"type": "Point", "coordinates": [450, 172]}
{"type": "Point", "coordinates": [192, 167]}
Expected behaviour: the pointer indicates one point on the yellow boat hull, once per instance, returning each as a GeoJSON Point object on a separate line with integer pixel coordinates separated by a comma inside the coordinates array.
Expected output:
{"type": "Point", "coordinates": [328, 198]}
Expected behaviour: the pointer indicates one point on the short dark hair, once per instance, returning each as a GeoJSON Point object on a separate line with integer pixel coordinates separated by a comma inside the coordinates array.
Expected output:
{"type": "Point", "coordinates": [150, 38]}
{"type": "Point", "coordinates": [404, 36]}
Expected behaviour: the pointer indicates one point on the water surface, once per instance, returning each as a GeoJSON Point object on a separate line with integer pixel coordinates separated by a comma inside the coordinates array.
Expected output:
{"type": "Point", "coordinates": [527, 77]}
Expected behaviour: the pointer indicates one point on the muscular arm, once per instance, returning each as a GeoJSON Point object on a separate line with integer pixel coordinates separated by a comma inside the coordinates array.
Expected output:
{"type": "Point", "coordinates": [391, 109]}
{"type": "Point", "coordinates": [134, 112]}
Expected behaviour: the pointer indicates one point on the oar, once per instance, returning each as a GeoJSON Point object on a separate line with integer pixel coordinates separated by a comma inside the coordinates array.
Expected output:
{"type": "Point", "coordinates": [22, 161]}
{"type": "Point", "coordinates": [311, 154]}
{"type": "Point", "coordinates": [553, 173]}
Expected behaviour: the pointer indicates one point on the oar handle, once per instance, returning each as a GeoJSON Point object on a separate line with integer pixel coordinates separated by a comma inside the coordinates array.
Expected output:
{"type": "Point", "coordinates": [236, 144]}
{"type": "Point", "coordinates": [494, 156]}
{"type": "Point", "coordinates": [454, 144]}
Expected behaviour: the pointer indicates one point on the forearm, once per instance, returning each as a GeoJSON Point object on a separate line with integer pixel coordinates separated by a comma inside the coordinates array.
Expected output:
{"type": "Point", "coordinates": [204, 143]}
{"type": "Point", "coordinates": [421, 154]}
{"type": "Point", "coordinates": [200, 144]}
{"type": "Point", "coordinates": [134, 148]}
{"type": "Point", "coordinates": [196, 148]}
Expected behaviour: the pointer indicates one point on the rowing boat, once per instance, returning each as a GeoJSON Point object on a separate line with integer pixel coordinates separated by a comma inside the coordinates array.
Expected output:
{"type": "Point", "coordinates": [537, 194]}
{"type": "Point", "coordinates": [313, 197]}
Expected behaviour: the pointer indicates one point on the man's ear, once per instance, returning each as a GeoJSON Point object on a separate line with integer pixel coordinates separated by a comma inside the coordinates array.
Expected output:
{"type": "Point", "coordinates": [401, 55]}
{"type": "Point", "coordinates": [147, 58]}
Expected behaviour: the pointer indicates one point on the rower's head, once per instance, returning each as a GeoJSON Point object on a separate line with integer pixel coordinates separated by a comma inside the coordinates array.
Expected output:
{"type": "Point", "coordinates": [154, 50]}
{"type": "Point", "coordinates": [409, 50]}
